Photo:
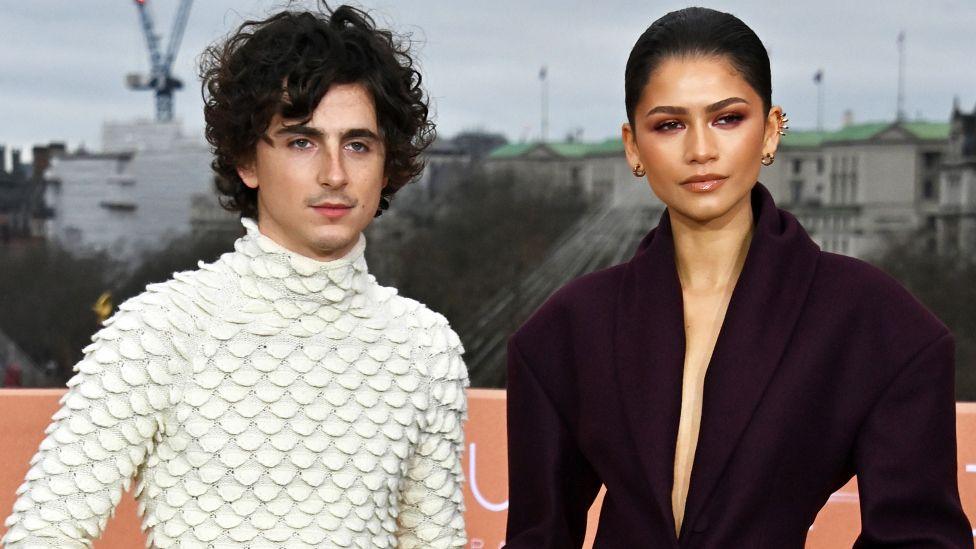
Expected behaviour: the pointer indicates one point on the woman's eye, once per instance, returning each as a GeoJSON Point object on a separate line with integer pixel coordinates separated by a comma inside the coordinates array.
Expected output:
{"type": "Point", "coordinates": [668, 126]}
{"type": "Point", "coordinates": [301, 144]}
{"type": "Point", "coordinates": [728, 119]}
{"type": "Point", "coordinates": [357, 146]}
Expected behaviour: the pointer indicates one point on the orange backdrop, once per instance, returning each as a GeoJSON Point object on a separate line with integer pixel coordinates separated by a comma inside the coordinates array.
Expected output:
{"type": "Point", "coordinates": [26, 412]}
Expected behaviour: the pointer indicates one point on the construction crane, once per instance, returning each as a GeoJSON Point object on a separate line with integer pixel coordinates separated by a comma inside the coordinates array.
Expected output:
{"type": "Point", "coordinates": [160, 79]}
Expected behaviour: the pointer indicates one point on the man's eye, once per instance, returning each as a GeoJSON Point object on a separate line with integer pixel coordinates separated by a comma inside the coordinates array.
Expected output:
{"type": "Point", "coordinates": [357, 146]}
{"type": "Point", "coordinates": [301, 144]}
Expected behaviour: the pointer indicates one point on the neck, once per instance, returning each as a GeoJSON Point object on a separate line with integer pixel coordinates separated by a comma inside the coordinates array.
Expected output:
{"type": "Point", "coordinates": [709, 256]}
{"type": "Point", "coordinates": [271, 272]}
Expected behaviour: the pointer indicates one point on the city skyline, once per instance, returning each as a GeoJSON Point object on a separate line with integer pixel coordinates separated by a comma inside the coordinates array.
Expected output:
{"type": "Point", "coordinates": [61, 80]}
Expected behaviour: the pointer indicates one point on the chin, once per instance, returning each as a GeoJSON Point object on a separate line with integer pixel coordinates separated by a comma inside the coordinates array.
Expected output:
{"type": "Point", "coordinates": [331, 239]}
{"type": "Point", "coordinates": [704, 208]}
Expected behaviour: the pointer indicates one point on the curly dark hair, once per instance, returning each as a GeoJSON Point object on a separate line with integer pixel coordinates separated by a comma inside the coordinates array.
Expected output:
{"type": "Point", "coordinates": [284, 65]}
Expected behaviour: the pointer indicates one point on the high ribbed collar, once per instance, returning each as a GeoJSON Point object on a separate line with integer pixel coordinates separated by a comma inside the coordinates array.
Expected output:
{"type": "Point", "coordinates": [271, 272]}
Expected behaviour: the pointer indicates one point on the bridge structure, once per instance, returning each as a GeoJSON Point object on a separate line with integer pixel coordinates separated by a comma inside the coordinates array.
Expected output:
{"type": "Point", "coordinates": [606, 235]}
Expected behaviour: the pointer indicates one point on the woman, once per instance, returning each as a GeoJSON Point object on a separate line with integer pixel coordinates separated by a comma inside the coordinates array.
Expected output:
{"type": "Point", "coordinates": [731, 376]}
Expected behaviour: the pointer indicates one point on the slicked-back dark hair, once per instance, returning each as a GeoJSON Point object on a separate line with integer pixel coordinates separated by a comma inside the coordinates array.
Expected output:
{"type": "Point", "coordinates": [694, 32]}
{"type": "Point", "coordinates": [284, 65]}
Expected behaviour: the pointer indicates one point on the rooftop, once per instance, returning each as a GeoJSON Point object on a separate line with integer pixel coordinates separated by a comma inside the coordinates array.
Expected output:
{"type": "Point", "coordinates": [863, 132]}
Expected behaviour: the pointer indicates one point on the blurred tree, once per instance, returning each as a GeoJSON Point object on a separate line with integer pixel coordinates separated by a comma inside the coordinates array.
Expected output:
{"type": "Point", "coordinates": [46, 299]}
{"type": "Point", "coordinates": [945, 284]}
{"type": "Point", "coordinates": [181, 254]}
{"type": "Point", "coordinates": [483, 234]}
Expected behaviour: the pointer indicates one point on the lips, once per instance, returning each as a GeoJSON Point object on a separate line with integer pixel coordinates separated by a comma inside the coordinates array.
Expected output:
{"type": "Point", "coordinates": [704, 183]}
{"type": "Point", "coordinates": [332, 210]}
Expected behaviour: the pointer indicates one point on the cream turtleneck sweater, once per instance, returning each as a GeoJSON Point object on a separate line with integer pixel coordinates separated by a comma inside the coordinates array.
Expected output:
{"type": "Point", "coordinates": [266, 400]}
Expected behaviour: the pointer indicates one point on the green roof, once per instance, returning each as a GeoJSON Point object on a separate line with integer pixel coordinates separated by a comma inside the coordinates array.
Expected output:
{"type": "Point", "coordinates": [575, 149]}
{"type": "Point", "coordinates": [512, 150]}
{"type": "Point", "coordinates": [856, 132]}
{"type": "Point", "coordinates": [864, 132]}
{"type": "Point", "coordinates": [928, 130]}
{"type": "Point", "coordinates": [803, 138]}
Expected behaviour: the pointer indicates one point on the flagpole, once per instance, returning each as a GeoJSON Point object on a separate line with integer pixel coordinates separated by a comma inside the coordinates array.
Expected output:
{"type": "Point", "coordinates": [818, 78]}
{"type": "Point", "coordinates": [543, 74]}
{"type": "Point", "coordinates": [901, 76]}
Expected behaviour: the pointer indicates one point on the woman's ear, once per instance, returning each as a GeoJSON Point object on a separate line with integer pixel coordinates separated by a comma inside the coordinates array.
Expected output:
{"type": "Point", "coordinates": [775, 122]}
{"type": "Point", "coordinates": [630, 144]}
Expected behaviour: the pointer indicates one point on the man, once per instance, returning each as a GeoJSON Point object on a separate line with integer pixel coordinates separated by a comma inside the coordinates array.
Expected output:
{"type": "Point", "coordinates": [277, 397]}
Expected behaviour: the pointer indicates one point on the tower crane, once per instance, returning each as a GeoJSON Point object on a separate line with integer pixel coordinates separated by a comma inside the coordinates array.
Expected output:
{"type": "Point", "coordinates": [160, 79]}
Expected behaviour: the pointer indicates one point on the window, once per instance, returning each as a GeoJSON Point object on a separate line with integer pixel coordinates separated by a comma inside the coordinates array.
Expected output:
{"type": "Point", "coordinates": [797, 166]}
{"type": "Point", "coordinates": [796, 191]}
{"type": "Point", "coordinates": [931, 159]}
{"type": "Point", "coordinates": [929, 190]}
{"type": "Point", "coordinates": [820, 165]}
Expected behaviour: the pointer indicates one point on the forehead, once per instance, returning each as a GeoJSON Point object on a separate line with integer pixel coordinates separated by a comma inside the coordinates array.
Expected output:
{"type": "Point", "coordinates": [695, 80]}
{"type": "Point", "coordinates": [343, 106]}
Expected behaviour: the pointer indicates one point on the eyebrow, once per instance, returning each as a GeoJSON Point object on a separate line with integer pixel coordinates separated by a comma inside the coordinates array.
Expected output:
{"type": "Point", "coordinates": [718, 105]}
{"type": "Point", "coordinates": [311, 131]}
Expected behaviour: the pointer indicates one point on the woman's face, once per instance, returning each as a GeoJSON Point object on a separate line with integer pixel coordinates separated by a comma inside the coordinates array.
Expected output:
{"type": "Point", "coordinates": [700, 132]}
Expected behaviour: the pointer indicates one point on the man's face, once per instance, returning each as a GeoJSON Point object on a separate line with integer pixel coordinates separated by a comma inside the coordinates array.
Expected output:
{"type": "Point", "coordinates": [319, 183]}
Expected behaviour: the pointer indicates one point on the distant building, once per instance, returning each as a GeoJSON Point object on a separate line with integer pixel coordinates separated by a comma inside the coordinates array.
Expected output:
{"type": "Point", "coordinates": [22, 208]}
{"type": "Point", "coordinates": [955, 218]}
{"type": "Point", "coordinates": [856, 187]}
{"type": "Point", "coordinates": [598, 170]}
{"type": "Point", "coordinates": [448, 162]}
{"type": "Point", "coordinates": [141, 190]}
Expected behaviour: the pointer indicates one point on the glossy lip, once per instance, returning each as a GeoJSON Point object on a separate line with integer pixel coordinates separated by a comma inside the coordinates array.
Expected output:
{"type": "Point", "coordinates": [332, 210]}
{"type": "Point", "coordinates": [704, 183]}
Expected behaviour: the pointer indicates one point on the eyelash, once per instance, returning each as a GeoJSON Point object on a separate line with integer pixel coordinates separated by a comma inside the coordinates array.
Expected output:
{"type": "Point", "coordinates": [670, 125]}
{"type": "Point", "coordinates": [295, 145]}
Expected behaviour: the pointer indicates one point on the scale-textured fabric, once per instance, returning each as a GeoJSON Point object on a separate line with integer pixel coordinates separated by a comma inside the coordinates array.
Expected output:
{"type": "Point", "coordinates": [264, 400]}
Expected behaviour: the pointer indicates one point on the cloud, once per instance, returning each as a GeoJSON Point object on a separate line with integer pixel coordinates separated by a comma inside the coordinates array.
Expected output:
{"type": "Point", "coordinates": [63, 64]}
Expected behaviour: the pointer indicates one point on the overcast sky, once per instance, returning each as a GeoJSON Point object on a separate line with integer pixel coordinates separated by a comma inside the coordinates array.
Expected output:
{"type": "Point", "coordinates": [62, 63]}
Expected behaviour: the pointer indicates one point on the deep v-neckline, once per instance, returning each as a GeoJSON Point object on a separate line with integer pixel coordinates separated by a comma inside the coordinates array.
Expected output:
{"type": "Point", "coordinates": [649, 351]}
{"type": "Point", "coordinates": [695, 368]}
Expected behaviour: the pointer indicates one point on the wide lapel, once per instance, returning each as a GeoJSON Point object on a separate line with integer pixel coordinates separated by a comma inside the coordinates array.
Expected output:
{"type": "Point", "coordinates": [649, 346]}
{"type": "Point", "coordinates": [763, 310]}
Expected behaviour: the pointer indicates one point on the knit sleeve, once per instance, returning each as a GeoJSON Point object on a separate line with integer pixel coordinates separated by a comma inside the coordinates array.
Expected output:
{"type": "Point", "coordinates": [431, 500]}
{"type": "Point", "coordinates": [109, 422]}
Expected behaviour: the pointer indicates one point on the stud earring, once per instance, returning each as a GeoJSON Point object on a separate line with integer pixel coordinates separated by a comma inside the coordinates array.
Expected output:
{"type": "Point", "coordinates": [639, 171]}
{"type": "Point", "coordinates": [767, 159]}
{"type": "Point", "coordinates": [784, 123]}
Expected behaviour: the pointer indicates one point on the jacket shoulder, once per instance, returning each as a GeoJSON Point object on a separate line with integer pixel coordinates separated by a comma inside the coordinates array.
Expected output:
{"type": "Point", "coordinates": [881, 303]}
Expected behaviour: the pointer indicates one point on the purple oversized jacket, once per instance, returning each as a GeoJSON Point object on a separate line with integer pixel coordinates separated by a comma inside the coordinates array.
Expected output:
{"type": "Point", "coordinates": [824, 368]}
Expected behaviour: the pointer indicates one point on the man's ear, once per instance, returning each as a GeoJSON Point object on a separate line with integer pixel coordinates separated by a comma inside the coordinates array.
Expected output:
{"type": "Point", "coordinates": [248, 174]}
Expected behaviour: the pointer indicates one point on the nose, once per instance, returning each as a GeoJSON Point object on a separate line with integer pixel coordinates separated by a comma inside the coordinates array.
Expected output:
{"type": "Point", "coordinates": [332, 171]}
{"type": "Point", "coordinates": [700, 144]}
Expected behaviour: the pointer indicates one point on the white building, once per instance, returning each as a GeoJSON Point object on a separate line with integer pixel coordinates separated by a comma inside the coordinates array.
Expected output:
{"type": "Point", "coordinates": [955, 220]}
{"type": "Point", "coordinates": [855, 188]}
{"type": "Point", "coordinates": [135, 195]}
{"type": "Point", "coordinates": [598, 170]}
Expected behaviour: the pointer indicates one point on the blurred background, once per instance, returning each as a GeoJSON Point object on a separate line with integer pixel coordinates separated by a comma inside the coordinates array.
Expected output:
{"type": "Point", "coordinates": [105, 183]}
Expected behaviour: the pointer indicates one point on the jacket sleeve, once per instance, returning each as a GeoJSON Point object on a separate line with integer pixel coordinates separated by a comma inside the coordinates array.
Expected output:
{"type": "Point", "coordinates": [551, 484]}
{"type": "Point", "coordinates": [905, 458]}
{"type": "Point", "coordinates": [109, 421]}
{"type": "Point", "coordinates": [431, 497]}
